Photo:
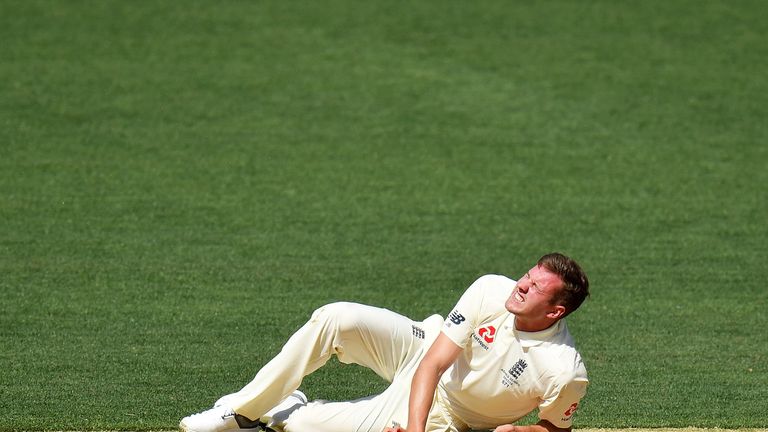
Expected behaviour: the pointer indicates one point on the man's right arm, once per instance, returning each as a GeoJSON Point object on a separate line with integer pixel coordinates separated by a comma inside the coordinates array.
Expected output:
{"type": "Point", "coordinates": [437, 360]}
{"type": "Point", "coordinates": [441, 355]}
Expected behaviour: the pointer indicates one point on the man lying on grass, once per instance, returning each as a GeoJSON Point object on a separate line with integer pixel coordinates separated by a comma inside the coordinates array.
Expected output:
{"type": "Point", "coordinates": [503, 351]}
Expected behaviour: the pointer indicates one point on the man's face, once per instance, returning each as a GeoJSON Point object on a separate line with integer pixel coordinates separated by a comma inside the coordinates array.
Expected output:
{"type": "Point", "coordinates": [531, 300]}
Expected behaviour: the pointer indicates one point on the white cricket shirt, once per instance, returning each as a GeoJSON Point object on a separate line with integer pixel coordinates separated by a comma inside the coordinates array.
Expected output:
{"type": "Point", "coordinates": [503, 374]}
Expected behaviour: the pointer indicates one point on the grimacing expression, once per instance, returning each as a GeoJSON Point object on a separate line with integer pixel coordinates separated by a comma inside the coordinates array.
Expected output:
{"type": "Point", "coordinates": [532, 298]}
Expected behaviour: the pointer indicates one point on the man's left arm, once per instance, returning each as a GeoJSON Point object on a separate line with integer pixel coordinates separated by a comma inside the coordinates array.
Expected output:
{"type": "Point", "coordinates": [560, 410]}
{"type": "Point", "coordinates": [541, 426]}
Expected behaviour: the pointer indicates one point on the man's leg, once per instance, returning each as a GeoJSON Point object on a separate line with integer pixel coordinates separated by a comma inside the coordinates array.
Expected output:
{"type": "Point", "coordinates": [376, 338]}
{"type": "Point", "coordinates": [373, 337]}
{"type": "Point", "coordinates": [372, 414]}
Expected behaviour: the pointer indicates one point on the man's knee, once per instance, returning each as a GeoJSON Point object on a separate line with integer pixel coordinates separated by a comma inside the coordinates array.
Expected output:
{"type": "Point", "coordinates": [307, 418]}
{"type": "Point", "coordinates": [342, 316]}
{"type": "Point", "coordinates": [321, 416]}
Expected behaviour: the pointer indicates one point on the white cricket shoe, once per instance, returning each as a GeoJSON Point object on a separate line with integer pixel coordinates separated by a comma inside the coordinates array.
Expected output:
{"type": "Point", "coordinates": [219, 419]}
{"type": "Point", "coordinates": [277, 416]}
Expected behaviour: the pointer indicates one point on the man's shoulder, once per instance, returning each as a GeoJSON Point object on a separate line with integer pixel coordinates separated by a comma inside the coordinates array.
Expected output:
{"type": "Point", "coordinates": [494, 282]}
{"type": "Point", "coordinates": [491, 290]}
{"type": "Point", "coordinates": [562, 355]}
{"type": "Point", "coordinates": [488, 295]}
{"type": "Point", "coordinates": [493, 278]}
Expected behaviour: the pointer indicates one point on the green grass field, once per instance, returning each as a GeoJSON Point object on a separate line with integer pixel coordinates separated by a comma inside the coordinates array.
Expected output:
{"type": "Point", "coordinates": [182, 183]}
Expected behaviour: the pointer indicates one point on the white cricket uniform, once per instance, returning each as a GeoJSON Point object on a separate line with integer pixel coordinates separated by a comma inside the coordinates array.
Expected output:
{"type": "Point", "coordinates": [502, 374]}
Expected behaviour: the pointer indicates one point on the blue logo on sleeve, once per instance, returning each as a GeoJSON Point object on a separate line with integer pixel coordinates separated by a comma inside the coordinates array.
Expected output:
{"type": "Point", "coordinates": [456, 317]}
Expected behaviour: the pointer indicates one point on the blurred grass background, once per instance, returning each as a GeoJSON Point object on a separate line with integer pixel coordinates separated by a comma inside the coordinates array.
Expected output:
{"type": "Point", "coordinates": [184, 182]}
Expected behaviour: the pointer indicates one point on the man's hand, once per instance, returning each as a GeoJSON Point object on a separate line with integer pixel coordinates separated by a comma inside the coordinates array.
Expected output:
{"type": "Point", "coordinates": [505, 428]}
{"type": "Point", "coordinates": [395, 428]}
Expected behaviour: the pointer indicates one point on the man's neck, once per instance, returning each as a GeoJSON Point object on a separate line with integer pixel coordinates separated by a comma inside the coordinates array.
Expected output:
{"type": "Point", "coordinates": [533, 327]}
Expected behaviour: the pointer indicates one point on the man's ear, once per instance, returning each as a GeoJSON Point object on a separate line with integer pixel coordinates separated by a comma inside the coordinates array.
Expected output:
{"type": "Point", "coordinates": [557, 312]}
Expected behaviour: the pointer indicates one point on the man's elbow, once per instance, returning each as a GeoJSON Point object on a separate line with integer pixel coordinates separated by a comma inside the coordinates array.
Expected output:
{"type": "Point", "coordinates": [430, 368]}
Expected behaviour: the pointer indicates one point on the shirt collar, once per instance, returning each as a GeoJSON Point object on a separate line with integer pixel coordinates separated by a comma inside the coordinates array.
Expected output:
{"type": "Point", "coordinates": [531, 339]}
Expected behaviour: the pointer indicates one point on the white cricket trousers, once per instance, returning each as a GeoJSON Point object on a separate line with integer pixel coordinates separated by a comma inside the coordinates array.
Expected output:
{"type": "Point", "coordinates": [390, 344]}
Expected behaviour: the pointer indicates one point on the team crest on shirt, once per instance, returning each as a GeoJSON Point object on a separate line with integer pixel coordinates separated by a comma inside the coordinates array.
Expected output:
{"type": "Point", "coordinates": [485, 336]}
{"type": "Point", "coordinates": [510, 376]}
{"type": "Point", "coordinates": [418, 332]}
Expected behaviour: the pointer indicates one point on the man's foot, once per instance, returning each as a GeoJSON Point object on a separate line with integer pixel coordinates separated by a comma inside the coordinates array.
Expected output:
{"type": "Point", "coordinates": [277, 416]}
{"type": "Point", "coordinates": [220, 419]}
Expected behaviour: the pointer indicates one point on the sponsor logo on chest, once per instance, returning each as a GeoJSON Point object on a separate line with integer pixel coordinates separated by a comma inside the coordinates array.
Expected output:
{"type": "Point", "coordinates": [485, 336]}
